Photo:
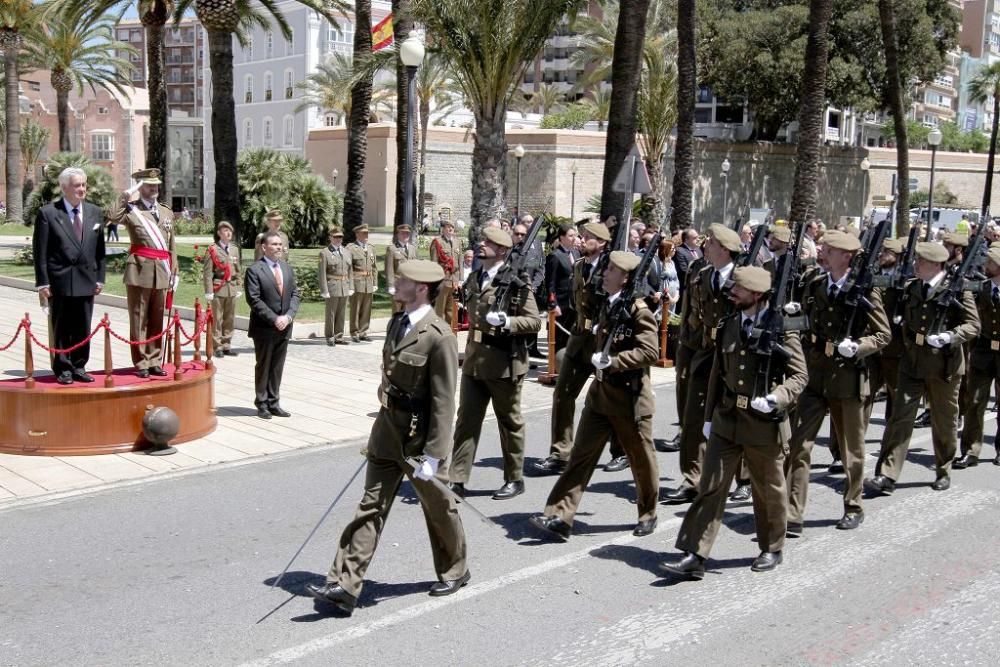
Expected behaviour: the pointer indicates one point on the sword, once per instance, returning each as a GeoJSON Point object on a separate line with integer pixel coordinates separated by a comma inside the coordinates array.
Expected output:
{"type": "Point", "coordinates": [415, 463]}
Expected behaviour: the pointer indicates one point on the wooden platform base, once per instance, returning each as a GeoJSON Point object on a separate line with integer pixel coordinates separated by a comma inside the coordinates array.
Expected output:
{"type": "Point", "coordinates": [81, 419]}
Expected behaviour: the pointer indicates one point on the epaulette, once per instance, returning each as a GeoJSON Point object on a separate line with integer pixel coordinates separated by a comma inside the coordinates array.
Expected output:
{"type": "Point", "coordinates": [440, 325]}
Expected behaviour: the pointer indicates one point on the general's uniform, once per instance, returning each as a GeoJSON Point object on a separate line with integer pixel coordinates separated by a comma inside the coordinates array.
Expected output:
{"type": "Point", "coordinates": [984, 366]}
{"type": "Point", "coordinates": [336, 276]}
{"type": "Point", "coordinates": [395, 255]}
{"type": "Point", "coordinates": [223, 279]}
{"type": "Point", "coordinates": [364, 269]}
{"type": "Point", "coordinates": [448, 254]}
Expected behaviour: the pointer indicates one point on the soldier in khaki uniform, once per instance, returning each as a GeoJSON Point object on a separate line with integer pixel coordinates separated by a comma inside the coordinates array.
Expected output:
{"type": "Point", "coordinates": [446, 250]}
{"type": "Point", "coordinates": [400, 251]}
{"type": "Point", "coordinates": [420, 363]}
{"type": "Point", "coordinates": [496, 361]}
{"type": "Point", "coordinates": [273, 218]}
{"type": "Point", "coordinates": [883, 368]}
{"type": "Point", "coordinates": [223, 285]}
{"type": "Point", "coordinates": [336, 279]}
{"type": "Point", "coordinates": [932, 364]}
{"type": "Point", "coordinates": [743, 420]}
{"type": "Point", "coordinates": [151, 267]}
{"type": "Point", "coordinates": [984, 366]}
{"type": "Point", "coordinates": [707, 305]}
{"type": "Point", "coordinates": [620, 403]}
{"type": "Point", "coordinates": [364, 269]}
{"type": "Point", "coordinates": [838, 379]}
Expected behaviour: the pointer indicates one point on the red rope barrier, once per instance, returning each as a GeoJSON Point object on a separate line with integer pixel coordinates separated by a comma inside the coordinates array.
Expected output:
{"type": "Point", "coordinates": [17, 334]}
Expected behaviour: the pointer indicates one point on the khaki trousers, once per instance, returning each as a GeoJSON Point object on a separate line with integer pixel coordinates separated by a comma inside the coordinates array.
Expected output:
{"type": "Point", "coordinates": [145, 320]}
{"type": "Point", "coordinates": [223, 321]}
{"type": "Point", "coordinates": [444, 303]}
{"type": "Point", "coordinates": [981, 378]}
{"type": "Point", "coordinates": [573, 374]}
{"type": "Point", "coordinates": [361, 313]}
{"type": "Point", "coordinates": [333, 326]}
{"type": "Point", "coordinates": [473, 398]}
{"type": "Point", "coordinates": [692, 440]}
{"type": "Point", "coordinates": [682, 368]}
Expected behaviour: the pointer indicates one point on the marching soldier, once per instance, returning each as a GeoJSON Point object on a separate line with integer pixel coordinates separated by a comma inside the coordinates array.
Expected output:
{"type": "Point", "coordinates": [420, 362]}
{"type": "Point", "coordinates": [707, 306]}
{"type": "Point", "coordinates": [619, 404]}
{"type": "Point", "coordinates": [496, 361]}
{"type": "Point", "coordinates": [740, 422]}
{"type": "Point", "coordinates": [151, 267]}
{"type": "Point", "coordinates": [932, 364]}
{"type": "Point", "coordinates": [336, 280]}
{"type": "Point", "coordinates": [364, 269]}
{"type": "Point", "coordinates": [984, 365]}
{"type": "Point", "coordinates": [273, 218]}
{"type": "Point", "coordinates": [223, 285]}
{"type": "Point", "coordinates": [400, 251]}
{"type": "Point", "coordinates": [446, 250]}
{"type": "Point", "coordinates": [841, 337]}
{"type": "Point", "coordinates": [883, 368]}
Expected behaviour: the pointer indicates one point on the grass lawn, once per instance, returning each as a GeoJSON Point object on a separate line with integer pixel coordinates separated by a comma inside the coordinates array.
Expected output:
{"type": "Point", "coordinates": [191, 287]}
{"type": "Point", "coordinates": [10, 229]}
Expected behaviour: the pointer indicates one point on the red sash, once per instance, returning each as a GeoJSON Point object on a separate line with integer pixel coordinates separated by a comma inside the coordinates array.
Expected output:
{"type": "Point", "coordinates": [149, 253]}
{"type": "Point", "coordinates": [227, 269]}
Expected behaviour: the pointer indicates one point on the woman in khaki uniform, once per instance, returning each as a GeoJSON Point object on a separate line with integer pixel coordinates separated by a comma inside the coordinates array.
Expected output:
{"type": "Point", "coordinates": [336, 276]}
{"type": "Point", "coordinates": [364, 268]}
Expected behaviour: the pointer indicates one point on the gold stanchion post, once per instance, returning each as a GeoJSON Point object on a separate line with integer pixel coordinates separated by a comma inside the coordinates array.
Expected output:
{"type": "Point", "coordinates": [178, 374]}
{"type": "Point", "coordinates": [109, 378]}
{"type": "Point", "coordinates": [197, 336]}
{"type": "Point", "coordinates": [29, 361]}
{"type": "Point", "coordinates": [209, 348]}
{"type": "Point", "coordinates": [549, 377]}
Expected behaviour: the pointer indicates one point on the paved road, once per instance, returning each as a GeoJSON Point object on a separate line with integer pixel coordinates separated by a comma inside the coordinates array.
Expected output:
{"type": "Point", "coordinates": [176, 572]}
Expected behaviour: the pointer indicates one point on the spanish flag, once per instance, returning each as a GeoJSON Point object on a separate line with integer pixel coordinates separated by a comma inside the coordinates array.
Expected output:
{"type": "Point", "coordinates": [382, 34]}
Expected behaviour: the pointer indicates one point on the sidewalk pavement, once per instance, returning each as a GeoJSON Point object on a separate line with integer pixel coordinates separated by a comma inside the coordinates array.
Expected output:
{"type": "Point", "coordinates": [330, 391]}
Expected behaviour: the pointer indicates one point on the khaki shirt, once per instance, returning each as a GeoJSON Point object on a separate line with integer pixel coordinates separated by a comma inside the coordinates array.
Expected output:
{"type": "Point", "coordinates": [336, 273]}
{"type": "Point", "coordinates": [364, 267]}
{"type": "Point", "coordinates": [146, 272]}
{"type": "Point", "coordinates": [214, 276]}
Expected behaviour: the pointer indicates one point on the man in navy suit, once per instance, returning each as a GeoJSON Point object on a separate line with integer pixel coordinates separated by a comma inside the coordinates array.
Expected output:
{"type": "Point", "coordinates": [68, 247]}
{"type": "Point", "coordinates": [274, 301]}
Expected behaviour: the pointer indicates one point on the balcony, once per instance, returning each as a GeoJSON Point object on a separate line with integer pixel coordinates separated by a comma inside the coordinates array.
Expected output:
{"type": "Point", "coordinates": [248, 98]}
{"type": "Point", "coordinates": [267, 95]}
{"type": "Point", "coordinates": [289, 93]}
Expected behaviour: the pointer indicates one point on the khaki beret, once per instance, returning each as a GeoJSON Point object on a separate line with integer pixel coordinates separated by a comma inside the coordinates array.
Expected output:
{"type": "Point", "coordinates": [753, 278]}
{"type": "Point", "coordinates": [726, 237]}
{"type": "Point", "coordinates": [956, 239]}
{"type": "Point", "coordinates": [894, 245]}
{"type": "Point", "coordinates": [447, 223]}
{"type": "Point", "coordinates": [336, 231]}
{"type": "Point", "coordinates": [626, 261]}
{"type": "Point", "coordinates": [993, 254]}
{"type": "Point", "coordinates": [148, 176]}
{"type": "Point", "coordinates": [841, 241]}
{"type": "Point", "coordinates": [225, 225]}
{"type": "Point", "coordinates": [597, 230]}
{"type": "Point", "coordinates": [360, 228]}
{"type": "Point", "coordinates": [274, 214]}
{"type": "Point", "coordinates": [498, 236]}
{"type": "Point", "coordinates": [421, 271]}
{"type": "Point", "coordinates": [403, 228]}
{"type": "Point", "coordinates": [932, 252]}
{"type": "Point", "coordinates": [783, 234]}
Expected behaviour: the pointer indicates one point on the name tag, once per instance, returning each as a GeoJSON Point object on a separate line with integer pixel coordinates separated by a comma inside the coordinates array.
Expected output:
{"type": "Point", "coordinates": [477, 336]}
{"type": "Point", "coordinates": [588, 324]}
{"type": "Point", "coordinates": [994, 345]}
{"type": "Point", "coordinates": [920, 339]}
{"type": "Point", "coordinates": [742, 402]}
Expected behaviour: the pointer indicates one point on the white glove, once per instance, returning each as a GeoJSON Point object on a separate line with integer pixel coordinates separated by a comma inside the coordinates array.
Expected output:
{"type": "Point", "coordinates": [427, 469]}
{"type": "Point", "coordinates": [325, 296]}
{"type": "Point", "coordinates": [898, 319]}
{"type": "Point", "coordinates": [793, 308]}
{"type": "Point", "coordinates": [175, 280]}
{"type": "Point", "coordinates": [599, 361]}
{"type": "Point", "coordinates": [392, 290]}
{"type": "Point", "coordinates": [939, 340]}
{"type": "Point", "coordinates": [847, 348]}
{"type": "Point", "coordinates": [239, 294]}
{"type": "Point", "coordinates": [350, 292]}
{"type": "Point", "coordinates": [209, 296]}
{"type": "Point", "coordinates": [496, 319]}
{"type": "Point", "coordinates": [594, 329]}
{"type": "Point", "coordinates": [763, 404]}
{"type": "Point", "coordinates": [706, 430]}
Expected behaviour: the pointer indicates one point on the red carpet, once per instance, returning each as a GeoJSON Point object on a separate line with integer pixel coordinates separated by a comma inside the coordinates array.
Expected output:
{"type": "Point", "coordinates": [124, 377]}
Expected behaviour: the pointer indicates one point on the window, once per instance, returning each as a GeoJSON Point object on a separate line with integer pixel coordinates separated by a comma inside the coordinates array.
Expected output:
{"type": "Point", "coordinates": [269, 45]}
{"type": "Point", "coordinates": [248, 89]}
{"type": "Point", "coordinates": [137, 74]}
{"type": "Point", "coordinates": [248, 50]}
{"type": "Point", "coordinates": [268, 133]}
{"type": "Point", "coordinates": [330, 120]}
{"type": "Point", "coordinates": [136, 35]}
{"type": "Point", "coordinates": [289, 84]}
{"type": "Point", "coordinates": [135, 56]}
{"type": "Point", "coordinates": [288, 136]}
{"type": "Point", "coordinates": [247, 133]}
{"type": "Point", "coordinates": [102, 111]}
{"type": "Point", "coordinates": [704, 95]}
{"type": "Point", "coordinates": [342, 39]}
{"type": "Point", "coordinates": [102, 147]}
{"type": "Point", "coordinates": [123, 35]}
{"type": "Point", "coordinates": [290, 43]}
{"type": "Point", "coordinates": [268, 86]}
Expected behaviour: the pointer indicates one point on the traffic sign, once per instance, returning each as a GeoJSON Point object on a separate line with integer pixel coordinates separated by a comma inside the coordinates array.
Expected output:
{"type": "Point", "coordinates": [633, 177]}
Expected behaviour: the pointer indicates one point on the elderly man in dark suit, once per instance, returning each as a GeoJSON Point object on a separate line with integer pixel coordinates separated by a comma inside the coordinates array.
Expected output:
{"type": "Point", "coordinates": [273, 297]}
{"type": "Point", "coordinates": [68, 247]}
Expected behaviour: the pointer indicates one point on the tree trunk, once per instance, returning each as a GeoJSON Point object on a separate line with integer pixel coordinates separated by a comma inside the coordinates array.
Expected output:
{"type": "Point", "coordinates": [680, 195]}
{"type": "Point", "coordinates": [626, 71]}
{"type": "Point", "coordinates": [227, 192]}
{"type": "Point", "coordinates": [806, 189]}
{"type": "Point", "coordinates": [402, 23]}
{"type": "Point", "coordinates": [156, 146]}
{"type": "Point", "coordinates": [62, 113]}
{"type": "Point", "coordinates": [652, 204]}
{"type": "Point", "coordinates": [357, 133]}
{"type": "Point", "coordinates": [425, 118]}
{"type": "Point", "coordinates": [887, 20]}
{"type": "Point", "coordinates": [12, 170]}
{"type": "Point", "coordinates": [489, 171]}
{"type": "Point", "coordinates": [988, 189]}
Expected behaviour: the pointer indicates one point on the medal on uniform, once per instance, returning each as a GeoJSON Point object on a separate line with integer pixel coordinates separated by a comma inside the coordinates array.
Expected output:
{"type": "Point", "coordinates": [413, 424]}
{"type": "Point", "coordinates": [742, 402]}
{"type": "Point", "coordinates": [994, 345]}
{"type": "Point", "coordinates": [920, 339]}
{"type": "Point", "coordinates": [477, 336]}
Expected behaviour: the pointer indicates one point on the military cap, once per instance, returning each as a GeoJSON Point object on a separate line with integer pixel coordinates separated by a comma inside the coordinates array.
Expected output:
{"type": "Point", "coordinates": [336, 231]}
{"type": "Point", "coordinates": [841, 241]}
{"type": "Point", "coordinates": [894, 245]}
{"type": "Point", "coordinates": [753, 278]}
{"type": "Point", "coordinates": [783, 234]}
{"type": "Point", "coordinates": [498, 236]}
{"type": "Point", "coordinates": [421, 271]}
{"type": "Point", "coordinates": [993, 254]}
{"type": "Point", "coordinates": [626, 261]}
{"type": "Point", "coordinates": [447, 223]}
{"type": "Point", "coordinates": [225, 225]}
{"type": "Point", "coordinates": [274, 214]}
{"type": "Point", "coordinates": [148, 176]}
{"type": "Point", "coordinates": [932, 252]}
{"type": "Point", "coordinates": [403, 228]}
{"type": "Point", "coordinates": [360, 228]}
{"type": "Point", "coordinates": [726, 237]}
{"type": "Point", "coordinates": [597, 230]}
{"type": "Point", "coordinates": [956, 239]}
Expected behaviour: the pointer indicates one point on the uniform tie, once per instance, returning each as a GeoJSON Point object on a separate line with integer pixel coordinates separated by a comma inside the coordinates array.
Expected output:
{"type": "Point", "coordinates": [996, 295]}
{"type": "Point", "coordinates": [278, 279]}
{"type": "Point", "coordinates": [77, 224]}
{"type": "Point", "coordinates": [745, 329]}
{"type": "Point", "coordinates": [156, 214]}
{"type": "Point", "coordinates": [401, 325]}
{"type": "Point", "coordinates": [927, 290]}
{"type": "Point", "coordinates": [834, 289]}
{"type": "Point", "coordinates": [715, 281]}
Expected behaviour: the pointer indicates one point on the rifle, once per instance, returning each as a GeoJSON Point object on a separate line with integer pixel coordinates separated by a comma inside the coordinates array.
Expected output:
{"type": "Point", "coordinates": [749, 256]}
{"type": "Point", "coordinates": [904, 271]}
{"type": "Point", "coordinates": [744, 210]}
{"type": "Point", "coordinates": [861, 275]}
{"type": "Point", "coordinates": [513, 276]}
{"type": "Point", "coordinates": [956, 285]}
{"type": "Point", "coordinates": [619, 240]}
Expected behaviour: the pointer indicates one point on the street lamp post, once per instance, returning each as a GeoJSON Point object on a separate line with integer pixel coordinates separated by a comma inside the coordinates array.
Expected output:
{"type": "Point", "coordinates": [725, 187]}
{"type": "Point", "coordinates": [934, 139]}
{"type": "Point", "coordinates": [865, 166]}
{"type": "Point", "coordinates": [572, 191]}
{"type": "Point", "coordinates": [411, 52]}
{"type": "Point", "coordinates": [335, 173]}
{"type": "Point", "coordinates": [422, 170]}
{"type": "Point", "coordinates": [518, 153]}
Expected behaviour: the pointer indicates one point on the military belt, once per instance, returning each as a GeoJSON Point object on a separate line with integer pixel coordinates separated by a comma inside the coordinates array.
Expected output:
{"type": "Point", "coordinates": [987, 345]}
{"type": "Point", "coordinates": [499, 342]}
{"type": "Point", "coordinates": [398, 399]}
{"type": "Point", "coordinates": [343, 277]}
{"type": "Point", "coordinates": [829, 347]}
{"type": "Point", "coordinates": [742, 401]}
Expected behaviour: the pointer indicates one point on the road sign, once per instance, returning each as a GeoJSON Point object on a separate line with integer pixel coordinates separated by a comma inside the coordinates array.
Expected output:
{"type": "Point", "coordinates": [914, 185]}
{"type": "Point", "coordinates": [633, 177]}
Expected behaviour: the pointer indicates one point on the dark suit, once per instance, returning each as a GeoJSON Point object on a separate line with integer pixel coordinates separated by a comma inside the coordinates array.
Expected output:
{"type": "Point", "coordinates": [683, 259]}
{"type": "Point", "coordinates": [559, 289]}
{"type": "Point", "coordinates": [71, 268]}
{"type": "Point", "coordinates": [269, 344]}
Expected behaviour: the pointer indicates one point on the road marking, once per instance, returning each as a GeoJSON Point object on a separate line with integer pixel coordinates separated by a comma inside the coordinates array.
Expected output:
{"type": "Point", "coordinates": [326, 642]}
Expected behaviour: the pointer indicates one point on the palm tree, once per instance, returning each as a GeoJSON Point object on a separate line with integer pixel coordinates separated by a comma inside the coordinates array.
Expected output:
{"type": "Point", "coordinates": [547, 97]}
{"type": "Point", "coordinates": [434, 85]}
{"type": "Point", "coordinates": [489, 45]}
{"type": "Point", "coordinates": [600, 105]}
{"type": "Point", "coordinates": [78, 47]}
{"type": "Point", "coordinates": [222, 20]}
{"type": "Point", "coordinates": [34, 139]}
{"type": "Point", "coordinates": [687, 83]}
{"type": "Point", "coordinates": [657, 114]}
{"type": "Point", "coordinates": [806, 189]}
{"type": "Point", "coordinates": [329, 89]}
{"type": "Point", "coordinates": [402, 24]}
{"type": "Point", "coordinates": [983, 87]}
{"type": "Point", "coordinates": [357, 128]}
{"type": "Point", "coordinates": [897, 107]}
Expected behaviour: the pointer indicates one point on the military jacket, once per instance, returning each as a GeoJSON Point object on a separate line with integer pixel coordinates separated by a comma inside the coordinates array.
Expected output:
{"type": "Point", "coordinates": [987, 344]}
{"type": "Point", "coordinates": [919, 314]}
{"type": "Point", "coordinates": [831, 374]}
{"type": "Point", "coordinates": [417, 392]}
{"type": "Point", "coordinates": [587, 304]}
{"type": "Point", "coordinates": [216, 261]}
{"type": "Point", "coordinates": [336, 274]}
{"type": "Point", "coordinates": [146, 272]}
{"type": "Point", "coordinates": [493, 352]}
{"type": "Point", "coordinates": [624, 387]}
{"type": "Point", "coordinates": [395, 255]}
{"type": "Point", "coordinates": [258, 251]}
{"type": "Point", "coordinates": [449, 255]}
{"type": "Point", "coordinates": [736, 380]}
{"type": "Point", "coordinates": [689, 335]}
{"type": "Point", "coordinates": [708, 307]}
{"type": "Point", "coordinates": [364, 267]}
